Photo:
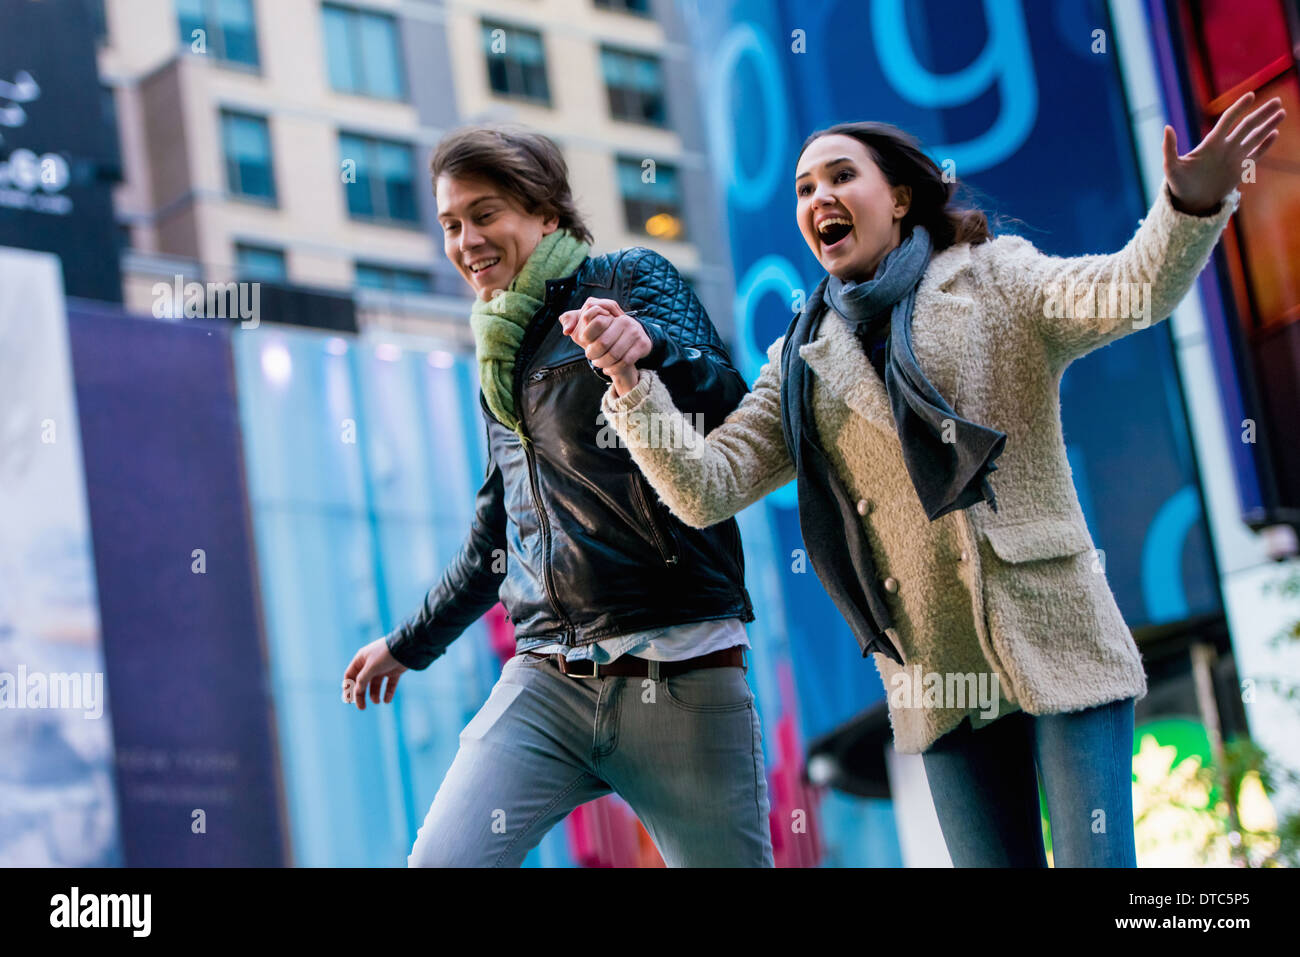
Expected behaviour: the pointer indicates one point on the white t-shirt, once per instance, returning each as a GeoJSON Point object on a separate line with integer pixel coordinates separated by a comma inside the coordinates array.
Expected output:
{"type": "Point", "coordinates": [673, 643]}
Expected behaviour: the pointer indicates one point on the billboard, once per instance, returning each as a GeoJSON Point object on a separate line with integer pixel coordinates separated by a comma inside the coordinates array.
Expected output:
{"type": "Point", "coordinates": [57, 807]}
{"type": "Point", "coordinates": [58, 145]}
{"type": "Point", "coordinates": [195, 755]}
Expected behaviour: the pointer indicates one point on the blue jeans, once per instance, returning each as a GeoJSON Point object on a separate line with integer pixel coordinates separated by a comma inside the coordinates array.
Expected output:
{"type": "Point", "coordinates": [985, 789]}
{"type": "Point", "coordinates": [685, 752]}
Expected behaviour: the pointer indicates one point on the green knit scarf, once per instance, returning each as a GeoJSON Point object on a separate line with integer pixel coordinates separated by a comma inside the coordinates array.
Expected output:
{"type": "Point", "coordinates": [499, 323]}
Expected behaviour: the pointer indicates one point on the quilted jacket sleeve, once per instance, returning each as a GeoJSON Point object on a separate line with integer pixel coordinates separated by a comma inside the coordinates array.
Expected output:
{"type": "Point", "coordinates": [468, 587]}
{"type": "Point", "coordinates": [686, 351]}
{"type": "Point", "coordinates": [1081, 303]}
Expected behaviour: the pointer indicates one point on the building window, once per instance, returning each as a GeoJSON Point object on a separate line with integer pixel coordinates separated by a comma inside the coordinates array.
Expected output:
{"type": "Point", "coordinates": [362, 52]}
{"type": "Point", "coordinates": [371, 276]}
{"type": "Point", "coordinates": [260, 262]}
{"type": "Point", "coordinates": [635, 84]}
{"type": "Point", "coordinates": [247, 143]}
{"type": "Point", "coordinates": [516, 62]}
{"type": "Point", "coordinates": [639, 7]}
{"type": "Point", "coordinates": [651, 198]}
{"type": "Point", "coordinates": [226, 29]}
{"type": "Point", "coordinates": [384, 186]}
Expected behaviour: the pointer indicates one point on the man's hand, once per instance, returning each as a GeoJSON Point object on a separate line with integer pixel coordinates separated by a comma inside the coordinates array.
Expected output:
{"type": "Point", "coordinates": [612, 340]}
{"type": "Point", "coordinates": [1200, 180]}
{"type": "Point", "coordinates": [370, 667]}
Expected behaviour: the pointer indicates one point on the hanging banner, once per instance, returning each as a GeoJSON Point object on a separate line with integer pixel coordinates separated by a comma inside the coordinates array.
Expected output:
{"type": "Point", "coordinates": [57, 805]}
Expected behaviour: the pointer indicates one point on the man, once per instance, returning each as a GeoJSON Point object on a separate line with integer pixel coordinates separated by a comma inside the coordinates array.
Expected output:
{"type": "Point", "coordinates": [629, 672]}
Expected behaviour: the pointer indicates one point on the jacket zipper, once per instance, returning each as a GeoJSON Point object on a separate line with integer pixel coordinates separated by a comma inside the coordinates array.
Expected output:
{"type": "Point", "coordinates": [548, 579]}
{"type": "Point", "coordinates": [547, 576]}
{"type": "Point", "coordinates": [659, 535]}
{"type": "Point", "coordinates": [667, 554]}
{"type": "Point", "coordinates": [541, 374]}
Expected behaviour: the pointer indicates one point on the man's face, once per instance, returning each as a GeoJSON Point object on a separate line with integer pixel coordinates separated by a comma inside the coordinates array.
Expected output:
{"type": "Point", "coordinates": [487, 234]}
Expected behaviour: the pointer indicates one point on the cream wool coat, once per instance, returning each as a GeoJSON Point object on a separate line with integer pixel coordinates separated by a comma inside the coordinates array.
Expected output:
{"type": "Point", "coordinates": [1019, 593]}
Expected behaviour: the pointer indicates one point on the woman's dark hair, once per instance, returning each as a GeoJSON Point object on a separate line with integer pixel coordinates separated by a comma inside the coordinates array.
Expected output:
{"type": "Point", "coordinates": [526, 166]}
{"type": "Point", "coordinates": [900, 159]}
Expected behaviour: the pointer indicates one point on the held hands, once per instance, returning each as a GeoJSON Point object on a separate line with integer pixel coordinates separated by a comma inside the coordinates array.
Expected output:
{"type": "Point", "coordinates": [612, 340]}
{"type": "Point", "coordinates": [1200, 180]}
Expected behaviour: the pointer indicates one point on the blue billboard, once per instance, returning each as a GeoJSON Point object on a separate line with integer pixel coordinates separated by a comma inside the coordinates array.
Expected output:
{"type": "Point", "coordinates": [196, 765]}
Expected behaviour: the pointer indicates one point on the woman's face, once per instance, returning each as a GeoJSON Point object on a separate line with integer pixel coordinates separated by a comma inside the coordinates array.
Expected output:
{"type": "Point", "coordinates": [486, 234]}
{"type": "Point", "coordinates": [848, 213]}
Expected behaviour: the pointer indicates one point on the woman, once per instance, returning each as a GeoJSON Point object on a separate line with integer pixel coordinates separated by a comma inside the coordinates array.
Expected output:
{"type": "Point", "coordinates": [929, 357]}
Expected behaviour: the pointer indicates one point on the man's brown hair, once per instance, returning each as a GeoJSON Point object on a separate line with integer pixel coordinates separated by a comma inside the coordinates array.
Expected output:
{"type": "Point", "coordinates": [526, 166]}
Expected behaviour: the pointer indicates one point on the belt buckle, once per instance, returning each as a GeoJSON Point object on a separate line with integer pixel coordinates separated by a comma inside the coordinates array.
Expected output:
{"type": "Point", "coordinates": [564, 665]}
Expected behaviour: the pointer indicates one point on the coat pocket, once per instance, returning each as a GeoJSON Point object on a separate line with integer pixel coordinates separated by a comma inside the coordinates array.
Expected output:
{"type": "Point", "coordinates": [1039, 539]}
{"type": "Point", "coordinates": [1052, 623]}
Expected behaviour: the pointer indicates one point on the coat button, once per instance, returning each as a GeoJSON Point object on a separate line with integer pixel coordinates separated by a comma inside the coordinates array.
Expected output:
{"type": "Point", "coordinates": [891, 585]}
{"type": "Point", "coordinates": [863, 506]}
{"type": "Point", "coordinates": [964, 556]}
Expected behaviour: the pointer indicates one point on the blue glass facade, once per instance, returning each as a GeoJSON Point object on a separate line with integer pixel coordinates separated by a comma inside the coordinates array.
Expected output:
{"type": "Point", "coordinates": [363, 460]}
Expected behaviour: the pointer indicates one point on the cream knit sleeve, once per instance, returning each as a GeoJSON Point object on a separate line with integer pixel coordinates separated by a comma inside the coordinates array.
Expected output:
{"type": "Point", "coordinates": [705, 480]}
{"type": "Point", "coordinates": [1081, 303]}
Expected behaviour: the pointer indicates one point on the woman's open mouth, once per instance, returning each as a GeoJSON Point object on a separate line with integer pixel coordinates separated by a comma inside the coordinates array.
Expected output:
{"type": "Point", "coordinates": [833, 231]}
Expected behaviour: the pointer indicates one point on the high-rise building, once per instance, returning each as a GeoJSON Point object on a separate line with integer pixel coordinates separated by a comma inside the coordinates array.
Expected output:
{"type": "Point", "coordinates": [288, 142]}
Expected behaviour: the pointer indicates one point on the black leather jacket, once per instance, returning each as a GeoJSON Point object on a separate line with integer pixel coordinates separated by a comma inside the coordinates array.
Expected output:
{"type": "Point", "coordinates": [567, 533]}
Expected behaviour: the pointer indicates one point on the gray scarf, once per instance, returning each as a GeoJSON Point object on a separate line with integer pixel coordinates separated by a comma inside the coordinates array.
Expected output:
{"type": "Point", "coordinates": [947, 475]}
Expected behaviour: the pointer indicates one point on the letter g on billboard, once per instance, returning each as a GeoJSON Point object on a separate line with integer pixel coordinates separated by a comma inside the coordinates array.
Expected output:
{"type": "Point", "coordinates": [1005, 60]}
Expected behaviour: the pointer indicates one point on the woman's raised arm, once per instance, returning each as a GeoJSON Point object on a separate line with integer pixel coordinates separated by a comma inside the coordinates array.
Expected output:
{"type": "Point", "coordinates": [1083, 302]}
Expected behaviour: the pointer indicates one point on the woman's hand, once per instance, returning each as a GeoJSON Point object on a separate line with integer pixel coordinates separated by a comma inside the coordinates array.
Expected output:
{"type": "Point", "coordinates": [1200, 180]}
{"type": "Point", "coordinates": [612, 340]}
{"type": "Point", "coordinates": [371, 665]}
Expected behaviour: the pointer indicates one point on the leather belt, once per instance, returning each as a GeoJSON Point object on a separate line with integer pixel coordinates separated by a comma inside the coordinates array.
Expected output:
{"type": "Point", "coordinates": [628, 666]}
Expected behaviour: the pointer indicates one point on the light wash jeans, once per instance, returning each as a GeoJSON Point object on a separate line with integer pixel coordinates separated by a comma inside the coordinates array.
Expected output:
{"type": "Point", "coordinates": [685, 753]}
{"type": "Point", "coordinates": [985, 789]}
